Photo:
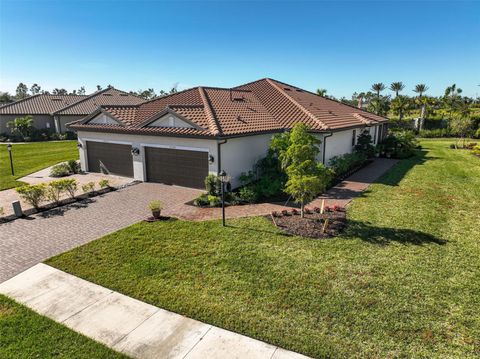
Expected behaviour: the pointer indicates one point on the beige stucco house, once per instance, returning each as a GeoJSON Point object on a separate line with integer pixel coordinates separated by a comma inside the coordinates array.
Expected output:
{"type": "Point", "coordinates": [52, 112]}
{"type": "Point", "coordinates": [180, 138]}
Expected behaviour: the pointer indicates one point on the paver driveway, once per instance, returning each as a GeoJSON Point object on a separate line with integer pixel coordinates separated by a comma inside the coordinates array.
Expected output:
{"type": "Point", "coordinates": [26, 242]}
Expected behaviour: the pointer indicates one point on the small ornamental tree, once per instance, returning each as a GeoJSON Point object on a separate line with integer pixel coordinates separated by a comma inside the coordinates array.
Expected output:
{"type": "Point", "coordinates": [364, 144]}
{"type": "Point", "coordinates": [306, 177]}
{"type": "Point", "coordinates": [461, 125]}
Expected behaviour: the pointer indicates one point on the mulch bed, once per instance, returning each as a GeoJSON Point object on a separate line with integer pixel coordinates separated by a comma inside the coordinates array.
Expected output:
{"type": "Point", "coordinates": [312, 225]}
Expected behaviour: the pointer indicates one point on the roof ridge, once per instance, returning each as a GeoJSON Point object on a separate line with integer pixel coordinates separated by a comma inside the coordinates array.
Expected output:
{"type": "Point", "coordinates": [105, 106]}
{"type": "Point", "coordinates": [21, 100]}
{"type": "Point", "coordinates": [169, 95]}
{"type": "Point", "coordinates": [328, 98]}
{"type": "Point", "coordinates": [303, 109]}
{"type": "Point", "coordinates": [82, 100]}
{"type": "Point", "coordinates": [209, 112]}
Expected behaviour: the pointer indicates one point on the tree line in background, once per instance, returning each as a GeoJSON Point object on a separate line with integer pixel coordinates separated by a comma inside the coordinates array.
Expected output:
{"type": "Point", "coordinates": [450, 114]}
{"type": "Point", "coordinates": [23, 91]}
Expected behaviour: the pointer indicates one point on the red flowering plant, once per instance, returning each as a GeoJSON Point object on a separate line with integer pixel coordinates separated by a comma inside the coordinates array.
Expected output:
{"type": "Point", "coordinates": [317, 209]}
{"type": "Point", "coordinates": [295, 211]}
{"type": "Point", "coordinates": [285, 212]}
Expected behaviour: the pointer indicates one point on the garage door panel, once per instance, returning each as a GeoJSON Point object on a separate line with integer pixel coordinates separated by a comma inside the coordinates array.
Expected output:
{"type": "Point", "coordinates": [179, 167]}
{"type": "Point", "coordinates": [116, 158]}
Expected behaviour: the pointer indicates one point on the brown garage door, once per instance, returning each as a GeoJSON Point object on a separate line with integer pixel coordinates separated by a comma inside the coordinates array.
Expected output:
{"type": "Point", "coordinates": [110, 158]}
{"type": "Point", "coordinates": [179, 167]}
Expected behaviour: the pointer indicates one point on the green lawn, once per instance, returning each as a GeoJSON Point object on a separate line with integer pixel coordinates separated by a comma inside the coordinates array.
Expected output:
{"type": "Point", "coordinates": [403, 281]}
{"type": "Point", "coordinates": [26, 334]}
{"type": "Point", "coordinates": [32, 157]}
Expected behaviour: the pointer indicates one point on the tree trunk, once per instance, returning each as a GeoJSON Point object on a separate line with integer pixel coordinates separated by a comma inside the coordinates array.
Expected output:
{"type": "Point", "coordinates": [302, 212]}
{"type": "Point", "coordinates": [422, 114]}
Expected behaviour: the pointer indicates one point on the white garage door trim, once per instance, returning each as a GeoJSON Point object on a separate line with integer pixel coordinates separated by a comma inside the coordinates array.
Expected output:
{"type": "Point", "coordinates": [107, 141]}
{"type": "Point", "coordinates": [173, 147]}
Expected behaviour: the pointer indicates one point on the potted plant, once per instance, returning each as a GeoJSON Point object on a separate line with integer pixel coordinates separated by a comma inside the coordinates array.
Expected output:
{"type": "Point", "coordinates": [156, 208]}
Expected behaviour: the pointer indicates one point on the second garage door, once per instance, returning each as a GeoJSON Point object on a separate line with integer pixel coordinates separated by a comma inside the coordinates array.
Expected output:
{"type": "Point", "coordinates": [110, 158]}
{"type": "Point", "coordinates": [179, 167]}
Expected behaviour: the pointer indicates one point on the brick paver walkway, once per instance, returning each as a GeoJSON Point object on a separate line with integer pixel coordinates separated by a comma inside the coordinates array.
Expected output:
{"type": "Point", "coordinates": [26, 242]}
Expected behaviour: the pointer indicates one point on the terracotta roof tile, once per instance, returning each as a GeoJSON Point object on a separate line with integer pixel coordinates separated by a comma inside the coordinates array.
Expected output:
{"type": "Point", "coordinates": [109, 96]}
{"type": "Point", "coordinates": [262, 106]}
{"type": "Point", "coordinates": [40, 104]}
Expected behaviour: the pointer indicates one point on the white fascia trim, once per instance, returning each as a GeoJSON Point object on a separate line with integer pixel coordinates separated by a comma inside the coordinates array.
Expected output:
{"type": "Point", "coordinates": [106, 141]}
{"type": "Point", "coordinates": [173, 147]}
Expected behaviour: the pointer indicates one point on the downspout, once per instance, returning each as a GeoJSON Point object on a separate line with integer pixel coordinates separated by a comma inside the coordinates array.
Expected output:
{"type": "Point", "coordinates": [325, 145]}
{"type": "Point", "coordinates": [219, 155]}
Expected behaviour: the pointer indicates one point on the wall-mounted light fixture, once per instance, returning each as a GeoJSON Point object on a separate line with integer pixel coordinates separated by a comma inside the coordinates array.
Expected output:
{"type": "Point", "coordinates": [211, 159]}
{"type": "Point", "coordinates": [79, 145]}
{"type": "Point", "coordinates": [135, 151]}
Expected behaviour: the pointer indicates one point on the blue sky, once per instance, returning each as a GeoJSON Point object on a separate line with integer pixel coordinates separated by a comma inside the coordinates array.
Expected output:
{"type": "Point", "coordinates": [341, 46]}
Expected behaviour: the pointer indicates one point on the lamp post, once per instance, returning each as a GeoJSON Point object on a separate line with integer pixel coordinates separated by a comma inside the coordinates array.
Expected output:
{"type": "Point", "coordinates": [223, 177]}
{"type": "Point", "coordinates": [9, 148]}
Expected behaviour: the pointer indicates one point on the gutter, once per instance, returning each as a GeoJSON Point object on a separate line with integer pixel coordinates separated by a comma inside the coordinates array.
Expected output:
{"type": "Point", "coordinates": [325, 145]}
{"type": "Point", "coordinates": [219, 155]}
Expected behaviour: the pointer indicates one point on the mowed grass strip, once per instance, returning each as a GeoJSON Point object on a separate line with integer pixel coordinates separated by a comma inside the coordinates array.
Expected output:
{"type": "Point", "coordinates": [32, 157]}
{"type": "Point", "coordinates": [402, 281]}
{"type": "Point", "coordinates": [26, 334]}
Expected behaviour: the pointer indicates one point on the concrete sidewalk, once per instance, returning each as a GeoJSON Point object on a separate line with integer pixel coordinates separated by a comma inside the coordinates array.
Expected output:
{"type": "Point", "coordinates": [127, 325]}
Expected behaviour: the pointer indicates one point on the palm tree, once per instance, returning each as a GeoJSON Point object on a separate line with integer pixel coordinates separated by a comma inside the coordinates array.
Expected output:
{"type": "Point", "coordinates": [359, 97]}
{"type": "Point", "coordinates": [421, 89]}
{"type": "Point", "coordinates": [400, 105]}
{"type": "Point", "coordinates": [377, 88]}
{"type": "Point", "coordinates": [397, 87]}
{"type": "Point", "coordinates": [321, 92]}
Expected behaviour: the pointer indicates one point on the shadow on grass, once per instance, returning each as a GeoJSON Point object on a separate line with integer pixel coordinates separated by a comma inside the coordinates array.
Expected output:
{"type": "Point", "coordinates": [366, 232]}
{"type": "Point", "coordinates": [398, 172]}
{"type": "Point", "coordinates": [386, 235]}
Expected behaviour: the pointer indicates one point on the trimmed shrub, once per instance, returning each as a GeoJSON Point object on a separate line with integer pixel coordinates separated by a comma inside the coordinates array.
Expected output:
{"type": "Point", "coordinates": [33, 194]}
{"type": "Point", "coordinates": [54, 191]}
{"type": "Point", "coordinates": [60, 170]}
{"type": "Point", "coordinates": [69, 185]}
{"type": "Point", "coordinates": [104, 183]}
{"type": "Point", "coordinates": [341, 165]}
{"type": "Point", "coordinates": [88, 187]}
{"type": "Point", "coordinates": [202, 200]}
{"type": "Point", "coordinates": [214, 201]}
{"type": "Point", "coordinates": [74, 166]}
{"type": "Point", "coordinates": [399, 145]}
{"type": "Point", "coordinates": [247, 195]}
{"type": "Point", "coordinates": [213, 185]}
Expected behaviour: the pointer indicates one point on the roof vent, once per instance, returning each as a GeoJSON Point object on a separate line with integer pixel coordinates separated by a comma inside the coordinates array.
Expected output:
{"type": "Point", "coordinates": [287, 89]}
{"type": "Point", "coordinates": [56, 99]}
{"type": "Point", "coordinates": [124, 94]}
{"type": "Point", "coordinates": [107, 94]}
{"type": "Point", "coordinates": [298, 90]}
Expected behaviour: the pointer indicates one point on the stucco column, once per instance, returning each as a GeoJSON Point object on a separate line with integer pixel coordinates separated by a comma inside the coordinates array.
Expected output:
{"type": "Point", "coordinates": [82, 151]}
{"type": "Point", "coordinates": [138, 162]}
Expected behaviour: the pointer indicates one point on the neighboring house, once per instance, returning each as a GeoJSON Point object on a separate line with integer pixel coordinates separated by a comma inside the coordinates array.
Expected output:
{"type": "Point", "coordinates": [180, 138]}
{"type": "Point", "coordinates": [52, 112]}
